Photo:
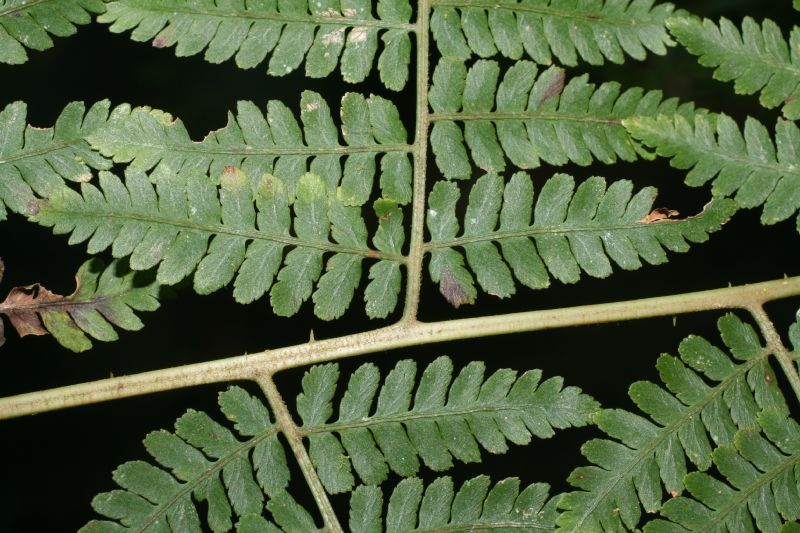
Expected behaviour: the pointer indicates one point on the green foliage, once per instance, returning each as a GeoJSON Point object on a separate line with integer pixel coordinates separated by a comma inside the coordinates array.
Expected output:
{"type": "Point", "coordinates": [573, 230]}
{"type": "Point", "coordinates": [26, 24]}
{"type": "Point", "coordinates": [450, 418]}
{"type": "Point", "coordinates": [761, 488]}
{"type": "Point", "coordinates": [290, 30]}
{"type": "Point", "coordinates": [274, 143]}
{"type": "Point", "coordinates": [757, 58]}
{"type": "Point", "coordinates": [204, 461]}
{"type": "Point", "coordinates": [532, 117]}
{"type": "Point", "coordinates": [594, 30]}
{"type": "Point", "coordinates": [36, 161]}
{"type": "Point", "coordinates": [749, 164]}
{"type": "Point", "coordinates": [685, 422]}
{"type": "Point", "coordinates": [170, 226]}
{"type": "Point", "coordinates": [275, 201]}
{"type": "Point", "coordinates": [104, 297]}
{"type": "Point", "coordinates": [473, 508]}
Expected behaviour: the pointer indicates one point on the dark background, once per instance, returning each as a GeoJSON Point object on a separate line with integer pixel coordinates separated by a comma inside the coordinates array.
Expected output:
{"type": "Point", "coordinates": [52, 464]}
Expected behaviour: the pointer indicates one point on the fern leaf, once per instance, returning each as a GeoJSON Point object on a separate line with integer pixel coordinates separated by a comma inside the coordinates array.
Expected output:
{"type": "Point", "coordinates": [749, 164]}
{"type": "Point", "coordinates": [204, 461]}
{"type": "Point", "coordinates": [761, 488]}
{"type": "Point", "coordinates": [275, 144]}
{"type": "Point", "coordinates": [450, 418]}
{"type": "Point", "coordinates": [573, 230]}
{"type": "Point", "coordinates": [438, 507]}
{"type": "Point", "coordinates": [532, 117]}
{"type": "Point", "coordinates": [757, 58]}
{"type": "Point", "coordinates": [683, 423]}
{"type": "Point", "coordinates": [594, 31]}
{"type": "Point", "coordinates": [104, 297]}
{"type": "Point", "coordinates": [36, 161]}
{"type": "Point", "coordinates": [171, 225]}
{"type": "Point", "coordinates": [290, 30]}
{"type": "Point", "coordinates": [26, 24]}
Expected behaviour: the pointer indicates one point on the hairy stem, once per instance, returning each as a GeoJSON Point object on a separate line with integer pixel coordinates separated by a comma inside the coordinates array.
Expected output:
{"type": "Point", "coordinates": [416, 250]}
{"type": "Point", "coordinates": [283, 419]}
{"type": "Point", "coordinates": [405, 333]}
{"type": "Point", "coordinates": [773, 339]}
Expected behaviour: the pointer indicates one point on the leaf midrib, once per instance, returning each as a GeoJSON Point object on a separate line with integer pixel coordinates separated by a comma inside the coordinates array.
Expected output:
{"type": "Point", "coordinates": [533, 231]}
{"type": "Point", "coordinates": [253, 14]}
{"type": "Point", "coordinates": [747, 57]}
{"type": "Point", "coordinates": [537, 10]}
{"type": "Point", "coordinates": [482, 526]}
{"type": "Point", "coordinates": [524, 116]}
{"type": "Point", "coordinates": [20, 7]}
{"type": "Point", "coordinates": [188, 486]}
{"type": "Point", "coordinates": [766, 477]}
{"type": "Point", "coordinates": [219, 229]}
{"type": "Point", "coordinates": [91, 302]}
{"type": "Point", "coordinates": [669, 430]}
{"type": "Point", "coordinates": [200, 147]}
{"type": "Point", "coordinates": [54, 147]}
{"type": "Point", "coordinates": [407, 416]}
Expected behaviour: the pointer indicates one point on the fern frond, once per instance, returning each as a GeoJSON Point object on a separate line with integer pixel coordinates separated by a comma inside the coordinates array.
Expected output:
{"type": "Point", "coordinates": [573, 230]}
{"type": "Point", "coordinates": [761, 488]}
{"type": "Point", "coordinates": [275, 143]}
{"type": "Point", "coordinates": [749, 164]}
{"type": "Point", "coordinates": [104, 297]}
{"type": "Point", "coordinates": [531, 117]}
{"type": "Point", "coordinates": [204, 461]}
{"type": "Point", "coordinates": [26, 24]}
{"type": "Point", "coordinates": [683, 423]}
{"type": "Point", "coordinates": [757, 58]}
{"type": "Point", "coordinates": [170, 226]}
{"type": "Point", "coordinates": [36, 161]}
{"type": "Point", "coordinates": [450, 418]}
{"type": "Point", "coordinates": [317, 31]}
{"type": "Point", "coordinates": [595, 31]}
{"type": "Point", "coordinates": [475, 507]}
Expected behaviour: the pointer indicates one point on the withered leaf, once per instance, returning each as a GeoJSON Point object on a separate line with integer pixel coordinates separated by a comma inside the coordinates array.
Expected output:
{"type": "Point", "coordinates": [452, 291]}
{"type": "Point", "coordinates": [656, 215]}
{"type": "Point", "coordinates": [103, 296]}
{"type": "Point", "coordinates": [22, 305]}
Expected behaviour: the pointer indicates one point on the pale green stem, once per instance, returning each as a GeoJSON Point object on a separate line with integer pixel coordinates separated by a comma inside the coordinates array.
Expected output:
{"type": "Point", "coordinates": [417, 241]}
{"type": "Point", "coordinates": [283, 419]}
{"type": "Point", "coordinates": [406, 333]}
{"type": "Point", "coordinates": [774, 342]}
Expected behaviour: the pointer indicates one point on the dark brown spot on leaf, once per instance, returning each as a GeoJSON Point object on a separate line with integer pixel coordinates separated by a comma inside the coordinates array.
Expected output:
{"type": "Point", "coordinates": [451, 290]}
{"type": "Point", "coordinates": [554, 89]}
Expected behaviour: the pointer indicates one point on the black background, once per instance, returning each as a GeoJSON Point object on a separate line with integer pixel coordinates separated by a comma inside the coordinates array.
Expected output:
{"type": "Point", "coordinates": [52, 464]}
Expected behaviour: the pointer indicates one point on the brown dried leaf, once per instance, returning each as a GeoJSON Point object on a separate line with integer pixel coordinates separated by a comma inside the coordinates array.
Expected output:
{"type": "Point", "coordinates": [22, 306]}
{"type": "Point", "coordinates": [451, 290]}
{"type": "Point", "coordinates": [656, 215]}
